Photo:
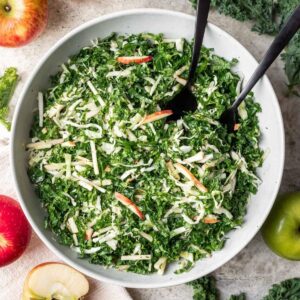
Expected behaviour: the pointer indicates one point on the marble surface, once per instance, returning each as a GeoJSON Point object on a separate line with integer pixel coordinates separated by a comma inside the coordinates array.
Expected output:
{"type": "Point", "coordinates": [256, 267]}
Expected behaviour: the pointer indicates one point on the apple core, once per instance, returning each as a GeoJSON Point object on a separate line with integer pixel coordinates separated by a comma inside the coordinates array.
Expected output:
{"type": "Point", "coordinates": [7, 7]}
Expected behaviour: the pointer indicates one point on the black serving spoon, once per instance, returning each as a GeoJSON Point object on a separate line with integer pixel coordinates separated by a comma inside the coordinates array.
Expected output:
{"type": "Point", "coordinates": [185, 100]}
{"type": "Point", "coordinates": [228, 117]}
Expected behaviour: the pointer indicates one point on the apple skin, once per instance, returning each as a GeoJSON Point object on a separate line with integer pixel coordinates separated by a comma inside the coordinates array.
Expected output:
{"type": "Point", "coordinates": [21, 21]}
{"type": "Point", "coordinates": [281, 231]}
{"type": "Point", "coordinates": [15, 231]}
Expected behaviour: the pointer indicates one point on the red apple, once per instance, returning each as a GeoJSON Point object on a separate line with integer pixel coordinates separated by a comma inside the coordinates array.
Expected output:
{"type": "Point", "coordinates": [21, 21]}
{"type": "Point", "coordinates": [15, 231]}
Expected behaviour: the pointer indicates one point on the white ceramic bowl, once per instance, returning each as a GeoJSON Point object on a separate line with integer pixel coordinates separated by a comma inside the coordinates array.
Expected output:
{"type": "Point", "coordinates": [172, 24]}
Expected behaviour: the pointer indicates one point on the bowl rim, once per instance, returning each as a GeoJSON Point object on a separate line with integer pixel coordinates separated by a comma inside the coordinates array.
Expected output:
{"type": "Point", "coordinates": [180, 279]}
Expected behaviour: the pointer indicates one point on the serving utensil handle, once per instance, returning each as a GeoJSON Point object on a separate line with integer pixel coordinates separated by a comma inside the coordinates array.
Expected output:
{"type": "Point", "coordinates": [201, 22]}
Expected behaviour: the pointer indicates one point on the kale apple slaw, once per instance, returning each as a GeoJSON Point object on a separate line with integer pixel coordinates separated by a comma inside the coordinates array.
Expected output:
{"type": "Point", "coordinates": [121, 186]}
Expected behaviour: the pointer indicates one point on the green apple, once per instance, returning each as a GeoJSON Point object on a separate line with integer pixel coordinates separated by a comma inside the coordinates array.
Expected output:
{"type": "Point", "coordinates": [281, 230]}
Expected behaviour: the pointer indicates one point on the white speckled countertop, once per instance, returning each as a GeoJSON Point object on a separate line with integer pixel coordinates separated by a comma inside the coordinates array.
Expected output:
{"type": "Point", "coordinates": [256, 267]}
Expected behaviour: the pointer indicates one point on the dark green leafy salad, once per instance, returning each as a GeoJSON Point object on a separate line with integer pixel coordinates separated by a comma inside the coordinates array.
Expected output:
{"type": "Point", "coordinates": [123, 187]}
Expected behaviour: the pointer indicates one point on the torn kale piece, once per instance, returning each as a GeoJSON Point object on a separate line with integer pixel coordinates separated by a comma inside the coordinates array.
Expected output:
{"type": "Point", "coordinates": [8, 84]}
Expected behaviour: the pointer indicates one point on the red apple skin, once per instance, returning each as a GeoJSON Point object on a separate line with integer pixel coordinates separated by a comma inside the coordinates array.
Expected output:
{"type": "Point", "coordinates": [21, 21]}
{"type": "Point", "coordinates": [15, 231]}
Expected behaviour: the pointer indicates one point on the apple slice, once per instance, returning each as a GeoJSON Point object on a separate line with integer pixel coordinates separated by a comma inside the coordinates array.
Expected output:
{"type": "Point", "coordinates": [236, 127]}
{"type": "Point", "coordinates": [127, 202]}
{"type": "Point", "coordinates": [134, 59]}
{"type": "Point", "coordinates": [186, 173]}
{"type": "Point", "coordinates": [157, 116]}
{"type": "Point", "coordinates": [172, 170]}
{"type": "Point", "coordinates": [210, 219]}
{"type": "Point", "coordinates": [88, 234]}
{"type": "Point", "coordinates": [54, 280]}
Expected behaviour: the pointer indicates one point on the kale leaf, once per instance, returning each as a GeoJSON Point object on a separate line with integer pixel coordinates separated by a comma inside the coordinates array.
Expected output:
{"type": "Point", "coordinates": [241, 296]}
{"type": "Point", "coordinates": [261, 11]}
{"type": "Point", "coordinates": [204, 288]}
{"type": "Point", "coordinates": [8, 84]}
{"type": "Point", "coordinates": [287, 290]}
{"type": "Point", "coordinates": [291, 57]}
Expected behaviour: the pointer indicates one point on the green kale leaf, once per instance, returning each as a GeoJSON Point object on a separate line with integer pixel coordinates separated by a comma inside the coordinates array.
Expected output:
{"type": "Point", "coordinates": [287, 290]}
{"type": "Point", "coordinates": [260, 11]}
{"type": "Point", "coordinates": [205, 288]}
{"type": "Point", "coordinates": [8, 84]}
{"type": "Point", "coordinates": [291, 57]}
{"type": "Point", "coordinates": [241, 296]}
